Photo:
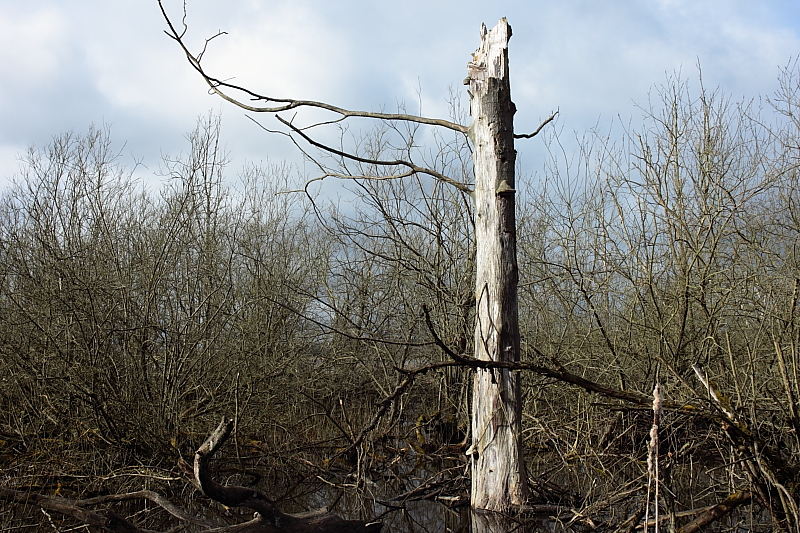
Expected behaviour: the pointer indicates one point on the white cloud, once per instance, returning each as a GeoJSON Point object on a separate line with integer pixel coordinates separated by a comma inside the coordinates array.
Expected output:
{"type": "Point", "coordinates": [70, 63]}
{"type": "Point", "coordinates": [286, 50]}
{"type": "Point", "coordinates": [31, 44]}
{"type": "Point", "coordinates": [9, 159]}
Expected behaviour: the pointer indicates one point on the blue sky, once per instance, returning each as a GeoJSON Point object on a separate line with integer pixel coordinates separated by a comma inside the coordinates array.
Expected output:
{"type": "Point", "coordinates": [68, 64]}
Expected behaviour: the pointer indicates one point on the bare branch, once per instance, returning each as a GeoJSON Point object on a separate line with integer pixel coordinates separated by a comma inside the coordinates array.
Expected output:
{"type": "Point", "coordinates": [718, 511]}
{"type": "Point", "coordinates": [217, 86]}
{"type": "Point", "coordinates": [348, 177]}
{"type": "Point", "coordinates": [205, 46]}
{"type": "Point", "coordinates": [398, 391]}
{"type": "Point", "coordinates": [340, 331]}
{"type": "Point", "coordinates": [109, 522]}
{"type": "Point", "coordinates": [397, 162]}
{"type": "Point", "coordinates": [535, 133]}
{"type": "Point", "coordinates": [150, 496]}
{"type": "Point", "coordinates": [446, 349]}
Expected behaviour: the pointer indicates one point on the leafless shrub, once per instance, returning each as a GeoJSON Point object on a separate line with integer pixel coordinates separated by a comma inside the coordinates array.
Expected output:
{"type": "Point", "coordinates": [133, 320]}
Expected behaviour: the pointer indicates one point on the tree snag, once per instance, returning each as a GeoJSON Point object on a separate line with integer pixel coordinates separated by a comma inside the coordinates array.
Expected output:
{"type": "Point", "coordinates": [499, 481]}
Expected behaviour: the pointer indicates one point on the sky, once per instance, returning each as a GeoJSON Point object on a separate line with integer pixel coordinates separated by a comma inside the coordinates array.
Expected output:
{"type": "Point", "coordinates": [69, 64]}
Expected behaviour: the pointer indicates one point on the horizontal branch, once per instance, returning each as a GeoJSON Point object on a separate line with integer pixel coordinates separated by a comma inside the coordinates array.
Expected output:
{"type": "Point", "coordinates": [348, 177]}
{"type": "Point", "coordinates": [217, 86]}
{"type": "Point", "coordinates": [457, 360]}
{"type": "Point", "coordinates": [718, 511]}
{"type": "Point", "coordinates": [396, 162]}
{"type": "Point", "coordinates": [151, 496]}
{"type": "Point", "coordinates": [560, 373]}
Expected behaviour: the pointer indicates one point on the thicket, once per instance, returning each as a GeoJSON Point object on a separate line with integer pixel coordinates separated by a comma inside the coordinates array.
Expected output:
{"type": "Point", "coordinates": [132, 320]}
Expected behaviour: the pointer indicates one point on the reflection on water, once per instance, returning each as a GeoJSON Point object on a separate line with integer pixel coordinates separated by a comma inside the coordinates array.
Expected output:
{"type": "Point", "coordinates": [422, 491]}
{"type": "Point", "coordinates": [430, 516]}
{"type": "Point", "coordinates": [416, 497]}
{"type": "Point", "coordinates": [493, 523]}
{"type": "Point", "coordinates": [420, 497]}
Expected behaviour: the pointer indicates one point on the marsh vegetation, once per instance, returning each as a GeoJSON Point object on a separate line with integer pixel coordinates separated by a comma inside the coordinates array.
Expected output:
{"type": "Point", "coordinates": [134, 319]}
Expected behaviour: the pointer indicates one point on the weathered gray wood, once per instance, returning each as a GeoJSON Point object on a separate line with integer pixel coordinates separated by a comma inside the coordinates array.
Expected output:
{"type": "Point", "coordinates": [499, 481]}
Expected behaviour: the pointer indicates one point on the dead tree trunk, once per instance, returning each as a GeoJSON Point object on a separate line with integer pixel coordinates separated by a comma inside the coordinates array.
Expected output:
{"type": "Point", "coordinates": [499, 481]}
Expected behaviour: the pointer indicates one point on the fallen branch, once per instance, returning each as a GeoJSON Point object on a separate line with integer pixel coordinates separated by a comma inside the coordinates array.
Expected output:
{"type": "Point", "coordinates": [718, 511]}
{"type": "Point", "coordinates": [229, 496]}
{"type": "Point", "coordinates": [151, 496]}
{"type": "Point", "coordinates": [268, 518]}
{"type": "Point", "coordinates": [108, 521]}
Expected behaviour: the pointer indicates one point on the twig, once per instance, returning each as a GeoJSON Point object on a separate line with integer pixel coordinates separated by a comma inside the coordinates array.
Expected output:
{"type": "Point", "coordinates": [216, 86]}
{"type": "Point", "coordinates": [535, 133]}
{"type": "Point", "coordinates": [397, 162]}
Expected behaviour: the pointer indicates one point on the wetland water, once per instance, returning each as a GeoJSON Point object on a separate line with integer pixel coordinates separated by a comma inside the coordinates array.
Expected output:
{"type": "Point", "coordinates": [416, 495]}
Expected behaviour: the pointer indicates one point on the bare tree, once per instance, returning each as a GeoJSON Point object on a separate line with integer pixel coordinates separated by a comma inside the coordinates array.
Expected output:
{"type": "Point", "coordinates": [665, 258]}
{"type": "Point", "coordinates": [131, 320]}
{"type": "Point", "coordinates": [498, 469]}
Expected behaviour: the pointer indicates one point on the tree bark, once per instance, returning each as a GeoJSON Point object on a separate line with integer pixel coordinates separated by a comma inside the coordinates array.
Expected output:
{"type": "Point", "coordinates": [499, 481]}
